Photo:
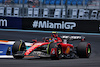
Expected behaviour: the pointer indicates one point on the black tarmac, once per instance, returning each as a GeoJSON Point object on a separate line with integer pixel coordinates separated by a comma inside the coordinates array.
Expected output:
{"type": "Point", "coordinates": [93, 61]}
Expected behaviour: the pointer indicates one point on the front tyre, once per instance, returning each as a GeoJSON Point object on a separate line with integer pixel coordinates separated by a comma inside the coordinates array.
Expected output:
{"type": "Point", "coordinates": [84, 50]}
{"type": "Point", "coordinates": [58, 54]}
{"type": "Point", "coordinates": [18, 47]}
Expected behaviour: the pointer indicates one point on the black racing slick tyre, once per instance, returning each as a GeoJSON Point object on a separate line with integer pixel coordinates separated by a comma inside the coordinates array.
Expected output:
{"type": "Point", "coordinates": [84, 50]}
{"type": "Point", "coordinates": [18, 46]}
{"type": "Point", "coordinates": [59, 51]}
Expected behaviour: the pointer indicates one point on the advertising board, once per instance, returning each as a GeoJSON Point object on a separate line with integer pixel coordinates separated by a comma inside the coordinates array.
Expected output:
{"type": "Point", "coordinates": [61, 25]}
{"type": "Point", "coordinates": [10, 22]}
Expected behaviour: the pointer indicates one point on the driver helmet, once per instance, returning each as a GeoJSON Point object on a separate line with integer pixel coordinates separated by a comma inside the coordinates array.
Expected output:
{"type": "Point", "coordinates": [50, 40]}
{"type": "Point", "coordinates": [54, 34]}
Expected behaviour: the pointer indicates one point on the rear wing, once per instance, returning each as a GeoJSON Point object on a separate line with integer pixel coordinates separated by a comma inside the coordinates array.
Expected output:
{"type": "Point", "coordinates": [73, 37]}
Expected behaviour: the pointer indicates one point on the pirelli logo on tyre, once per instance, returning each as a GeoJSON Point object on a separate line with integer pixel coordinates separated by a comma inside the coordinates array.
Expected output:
{"type": "Point", "coordinates": [3, 22]}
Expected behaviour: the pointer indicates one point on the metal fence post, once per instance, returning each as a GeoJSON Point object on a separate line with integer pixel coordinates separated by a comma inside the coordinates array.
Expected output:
{"type": "Point", "coordinates": [23, 8]}
{"type": "Point", "coordinates": [66, 9]}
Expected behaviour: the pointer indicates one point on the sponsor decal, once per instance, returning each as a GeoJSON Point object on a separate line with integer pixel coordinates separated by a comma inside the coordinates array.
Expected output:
{"type": "Point", "coordinates": [67, 50]}
{"type": "Point", "coordinates": [38, 44]}
{"type": "Point", "coordinates": [3, 22]}
{"type": "Point", "coordinates": [47, 24]}
{"type": "Point", "coordinates": [53, 51]}
{"type": "Point", "coordinates": [72, 37]}
{"type": "Point", "coordinates": [76, 37]}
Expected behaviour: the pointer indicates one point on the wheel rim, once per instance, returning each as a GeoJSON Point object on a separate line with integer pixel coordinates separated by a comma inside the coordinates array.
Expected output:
{"type": "Point", "coordinates": [59, 51]}
{"type": "Point", "coordinates": [89, 50]}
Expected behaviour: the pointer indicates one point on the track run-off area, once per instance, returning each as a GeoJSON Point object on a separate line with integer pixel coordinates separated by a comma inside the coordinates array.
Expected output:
{"type": "Point", "coordinates": [92, 38]}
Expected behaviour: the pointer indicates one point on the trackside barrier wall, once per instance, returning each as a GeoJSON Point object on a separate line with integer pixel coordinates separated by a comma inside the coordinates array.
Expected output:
{"type": "Point", "coordinates": [61, 25]}
{"type": "Point", "coordinates": [10, 22]}
{"type": "Point", "coordinates": [50, 24]}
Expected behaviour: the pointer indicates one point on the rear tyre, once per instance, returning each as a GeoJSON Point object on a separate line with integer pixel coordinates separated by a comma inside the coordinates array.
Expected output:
{"type": "Point", "coordinates": [18, 46]}
{"type": "Point", "coordinates": [84, 50]}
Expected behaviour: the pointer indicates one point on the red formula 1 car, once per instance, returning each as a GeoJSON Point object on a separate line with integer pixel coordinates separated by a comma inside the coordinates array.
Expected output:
{"type": "Point", "coordinates": [54, 47]}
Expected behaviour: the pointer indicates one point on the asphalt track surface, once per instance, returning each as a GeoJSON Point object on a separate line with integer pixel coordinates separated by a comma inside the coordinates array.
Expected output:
{"type": "Point", "coordinates": [93, 61]}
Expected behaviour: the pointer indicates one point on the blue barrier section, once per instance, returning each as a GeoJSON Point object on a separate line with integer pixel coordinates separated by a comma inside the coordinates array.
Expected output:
{"type": "Point", "coordinates": [10, 22]}
{"type": "Point", "coordinates": [3, 49]}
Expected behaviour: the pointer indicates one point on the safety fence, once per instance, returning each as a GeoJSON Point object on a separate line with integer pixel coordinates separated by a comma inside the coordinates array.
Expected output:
{"type": "Point", "coordinates": [57, 13]}
{"type": "Point", "coordinates": [57, 9]}
{"type": "Point", "coordinates": [50, 24]}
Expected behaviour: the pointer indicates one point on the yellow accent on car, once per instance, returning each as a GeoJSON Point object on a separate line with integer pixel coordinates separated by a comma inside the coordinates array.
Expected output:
{"type": "Point", "coordinates": [54, 32]}
{"type": "Point", "coordinates": [67, 50]}
{"type": "Point", "coordinates": [20, 45]}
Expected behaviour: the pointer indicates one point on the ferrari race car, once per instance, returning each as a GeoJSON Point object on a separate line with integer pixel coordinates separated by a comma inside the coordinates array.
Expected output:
{"type": "Point", "coordinates": [55, 47]}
